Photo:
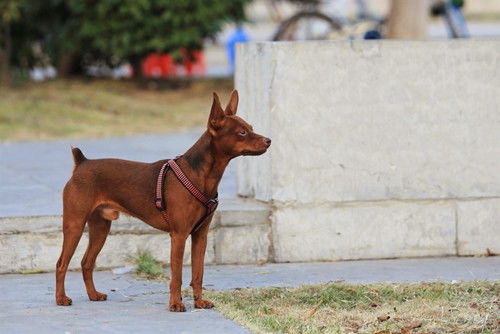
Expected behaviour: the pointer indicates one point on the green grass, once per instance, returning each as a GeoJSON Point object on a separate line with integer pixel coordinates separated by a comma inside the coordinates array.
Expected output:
{"type": "Point", "coordinates": [346, 308]}
{"type": "Point", "coordinates": [149, 268]}
{"type": "Point", "coordinates": [79, 108]}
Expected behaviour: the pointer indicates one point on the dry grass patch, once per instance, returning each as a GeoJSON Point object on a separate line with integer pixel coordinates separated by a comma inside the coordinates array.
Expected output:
{"type": "Point", "coordinates": [78, 108]}
{"type": "Point", "coordinates": [374, 308]}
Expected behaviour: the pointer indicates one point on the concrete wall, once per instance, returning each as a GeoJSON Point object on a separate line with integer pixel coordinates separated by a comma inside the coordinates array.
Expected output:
{"type": "Point", "coordinates": [240, 233]}
{"type": "Point", "coordinates": [380, 149]}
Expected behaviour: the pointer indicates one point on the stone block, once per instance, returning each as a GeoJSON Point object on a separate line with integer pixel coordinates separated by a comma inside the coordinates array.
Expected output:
{"type": "Point", "coordinates": [478, 227]}
{"type": "Point", "coordinates": [40, 251]}
{"type": "Point", "coordinates": [376, 120]}
{"type": "Point", "coordinates": [34, 243]}
{"type": "Point", "coordinates": [242, 244]}
{"type": "Point", "coordinates": [243, 213]}
{"type": "Point", "coordinates": [367, 230]}
{"type": "Point", "coordinates": [37, 224]}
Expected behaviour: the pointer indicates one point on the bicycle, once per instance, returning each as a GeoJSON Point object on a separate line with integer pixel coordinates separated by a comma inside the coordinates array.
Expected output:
{"type": "Point", "coordinates": [311, 23]}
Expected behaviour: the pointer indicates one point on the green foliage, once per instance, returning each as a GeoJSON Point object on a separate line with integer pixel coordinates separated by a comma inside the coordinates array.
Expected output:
{"type": "Point", "coordinates": [44, 29]}
{"type": "Point", "coordinates": [10, 10]}
{"type": "Point", "coordinates": [9, 13]}
{"type": "Point", "coordinates": [136, 27]}
{"type": "Point", "coordinates": [119, 30]}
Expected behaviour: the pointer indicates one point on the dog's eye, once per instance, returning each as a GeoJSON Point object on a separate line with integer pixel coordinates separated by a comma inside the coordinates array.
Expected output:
{"type": "Point", "coordinates": [242, 133]}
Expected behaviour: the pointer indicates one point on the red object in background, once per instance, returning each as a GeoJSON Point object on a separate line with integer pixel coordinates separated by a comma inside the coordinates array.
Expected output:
{"type": "Point", "coordinates": [194, 65]}
{"type": "Point", "coordinates": [158, 65]}
{"type": "Point", "coordinates": [162, 65]}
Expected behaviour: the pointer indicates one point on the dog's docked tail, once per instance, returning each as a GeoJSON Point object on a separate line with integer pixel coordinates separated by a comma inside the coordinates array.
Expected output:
{"type": "Point", "coordinates": [78, 156]}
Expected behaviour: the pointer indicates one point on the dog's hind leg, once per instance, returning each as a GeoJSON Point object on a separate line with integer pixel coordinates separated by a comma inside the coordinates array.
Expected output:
{"type": "Point", "coordinates": [98, 231]}
{"type": "Point", "coordinates": [73, 224]}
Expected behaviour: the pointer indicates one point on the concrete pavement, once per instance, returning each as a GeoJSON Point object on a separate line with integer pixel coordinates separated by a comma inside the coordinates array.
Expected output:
{"type": "Point", "coordinates": [33, 174]}
{"type": "Point", "coordinates": [137, 306]}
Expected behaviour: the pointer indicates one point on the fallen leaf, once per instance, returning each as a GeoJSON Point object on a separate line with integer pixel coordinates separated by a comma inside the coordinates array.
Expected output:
{"type": "Point", "coordinates": [473, 305]}
{"type": "Point", "coordinates": [374, 305]}
{"type": "Point", "coordinates": [412, 326]}
{"type": "Point", "coordinates": [311, 313]}
{"type": "Point", "coordinates": [272, 311]}
{"type": "Point", "coordinates": [383, 318]}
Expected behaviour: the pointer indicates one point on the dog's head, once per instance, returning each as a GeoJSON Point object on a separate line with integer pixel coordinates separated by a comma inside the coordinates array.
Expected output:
{"type": "Point", "coordinates": [231, 135]}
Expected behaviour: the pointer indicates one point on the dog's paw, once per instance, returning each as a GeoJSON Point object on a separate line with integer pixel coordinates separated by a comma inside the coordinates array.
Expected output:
{"type": "Point", "coordinates": [177, 307]}
{"type": "Point", "coordinates": [202, 303]}
{"type": "Point", "coordinates": [64, 301]}
{"type": "Point", "coordinates": [98, 297]}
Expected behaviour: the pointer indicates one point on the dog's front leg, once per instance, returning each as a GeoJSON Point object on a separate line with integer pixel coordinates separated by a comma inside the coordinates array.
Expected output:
{"type": "Point", "coordinates": [176, 257]}
{"type": "Point", "coordinates": [198, 248]}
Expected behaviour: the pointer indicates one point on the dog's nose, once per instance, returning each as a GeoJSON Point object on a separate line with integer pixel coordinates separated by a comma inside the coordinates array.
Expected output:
{"type": "Point", "coordinates": [268, 141]}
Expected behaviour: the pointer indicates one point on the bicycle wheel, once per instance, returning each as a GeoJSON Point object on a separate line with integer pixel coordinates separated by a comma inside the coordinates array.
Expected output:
{"type": "Point", "coordinates": [309, 25]}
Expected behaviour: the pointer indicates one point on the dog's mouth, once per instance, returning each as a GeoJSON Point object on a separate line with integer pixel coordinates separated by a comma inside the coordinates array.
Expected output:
{"type": "Point", "coordinates": [247, 152]}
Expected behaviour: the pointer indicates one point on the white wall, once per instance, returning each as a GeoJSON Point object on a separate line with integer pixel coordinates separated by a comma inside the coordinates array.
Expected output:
{"type": "Point", "coordinates": [380, 148]}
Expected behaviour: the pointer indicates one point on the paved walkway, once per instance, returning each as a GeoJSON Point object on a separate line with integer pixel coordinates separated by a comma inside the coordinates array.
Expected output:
{"type": "Point", "coordinates": [136, 306]}
{"type": "Point", "coordinates": [33, 174]}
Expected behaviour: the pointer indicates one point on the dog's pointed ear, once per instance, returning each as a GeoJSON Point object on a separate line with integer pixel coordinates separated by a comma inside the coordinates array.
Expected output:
{"type": "Point", "coordinates": [216, 115]}
{"type": "Point", "coordinates": [232, 106]}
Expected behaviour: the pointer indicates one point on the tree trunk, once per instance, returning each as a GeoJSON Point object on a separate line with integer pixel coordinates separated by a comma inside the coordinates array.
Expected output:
{"type": "Point", "coordinates": [5, 56]}
{"type": "Point", "coordinates": [136, 62]}
{"type": "Point", "coordinates": [66, 65]}
{"type": "Point", "coordinates": [408, 19]}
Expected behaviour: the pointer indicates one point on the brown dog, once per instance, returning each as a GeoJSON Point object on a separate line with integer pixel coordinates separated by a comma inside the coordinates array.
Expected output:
{"type": "Point", "coordinates": [100, 188]}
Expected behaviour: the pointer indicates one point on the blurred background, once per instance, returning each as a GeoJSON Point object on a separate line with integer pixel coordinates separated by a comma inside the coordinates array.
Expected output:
{"type": "Point", "coordinates": [68, 67]}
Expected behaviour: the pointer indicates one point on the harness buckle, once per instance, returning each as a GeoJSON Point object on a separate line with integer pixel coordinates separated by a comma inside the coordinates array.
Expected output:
{"type": "Point", "coordinates": [212, 202]}
{"type": "Point", "coordinates": [160, 205]}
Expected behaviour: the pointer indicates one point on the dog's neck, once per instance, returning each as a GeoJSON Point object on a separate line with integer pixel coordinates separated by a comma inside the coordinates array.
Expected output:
{"type": "Point", "coordinates": [206, 163]}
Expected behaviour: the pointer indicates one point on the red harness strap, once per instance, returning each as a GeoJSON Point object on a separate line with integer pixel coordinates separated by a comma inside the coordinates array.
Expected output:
{"type": "Point", "coordinates": [209, 203]}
